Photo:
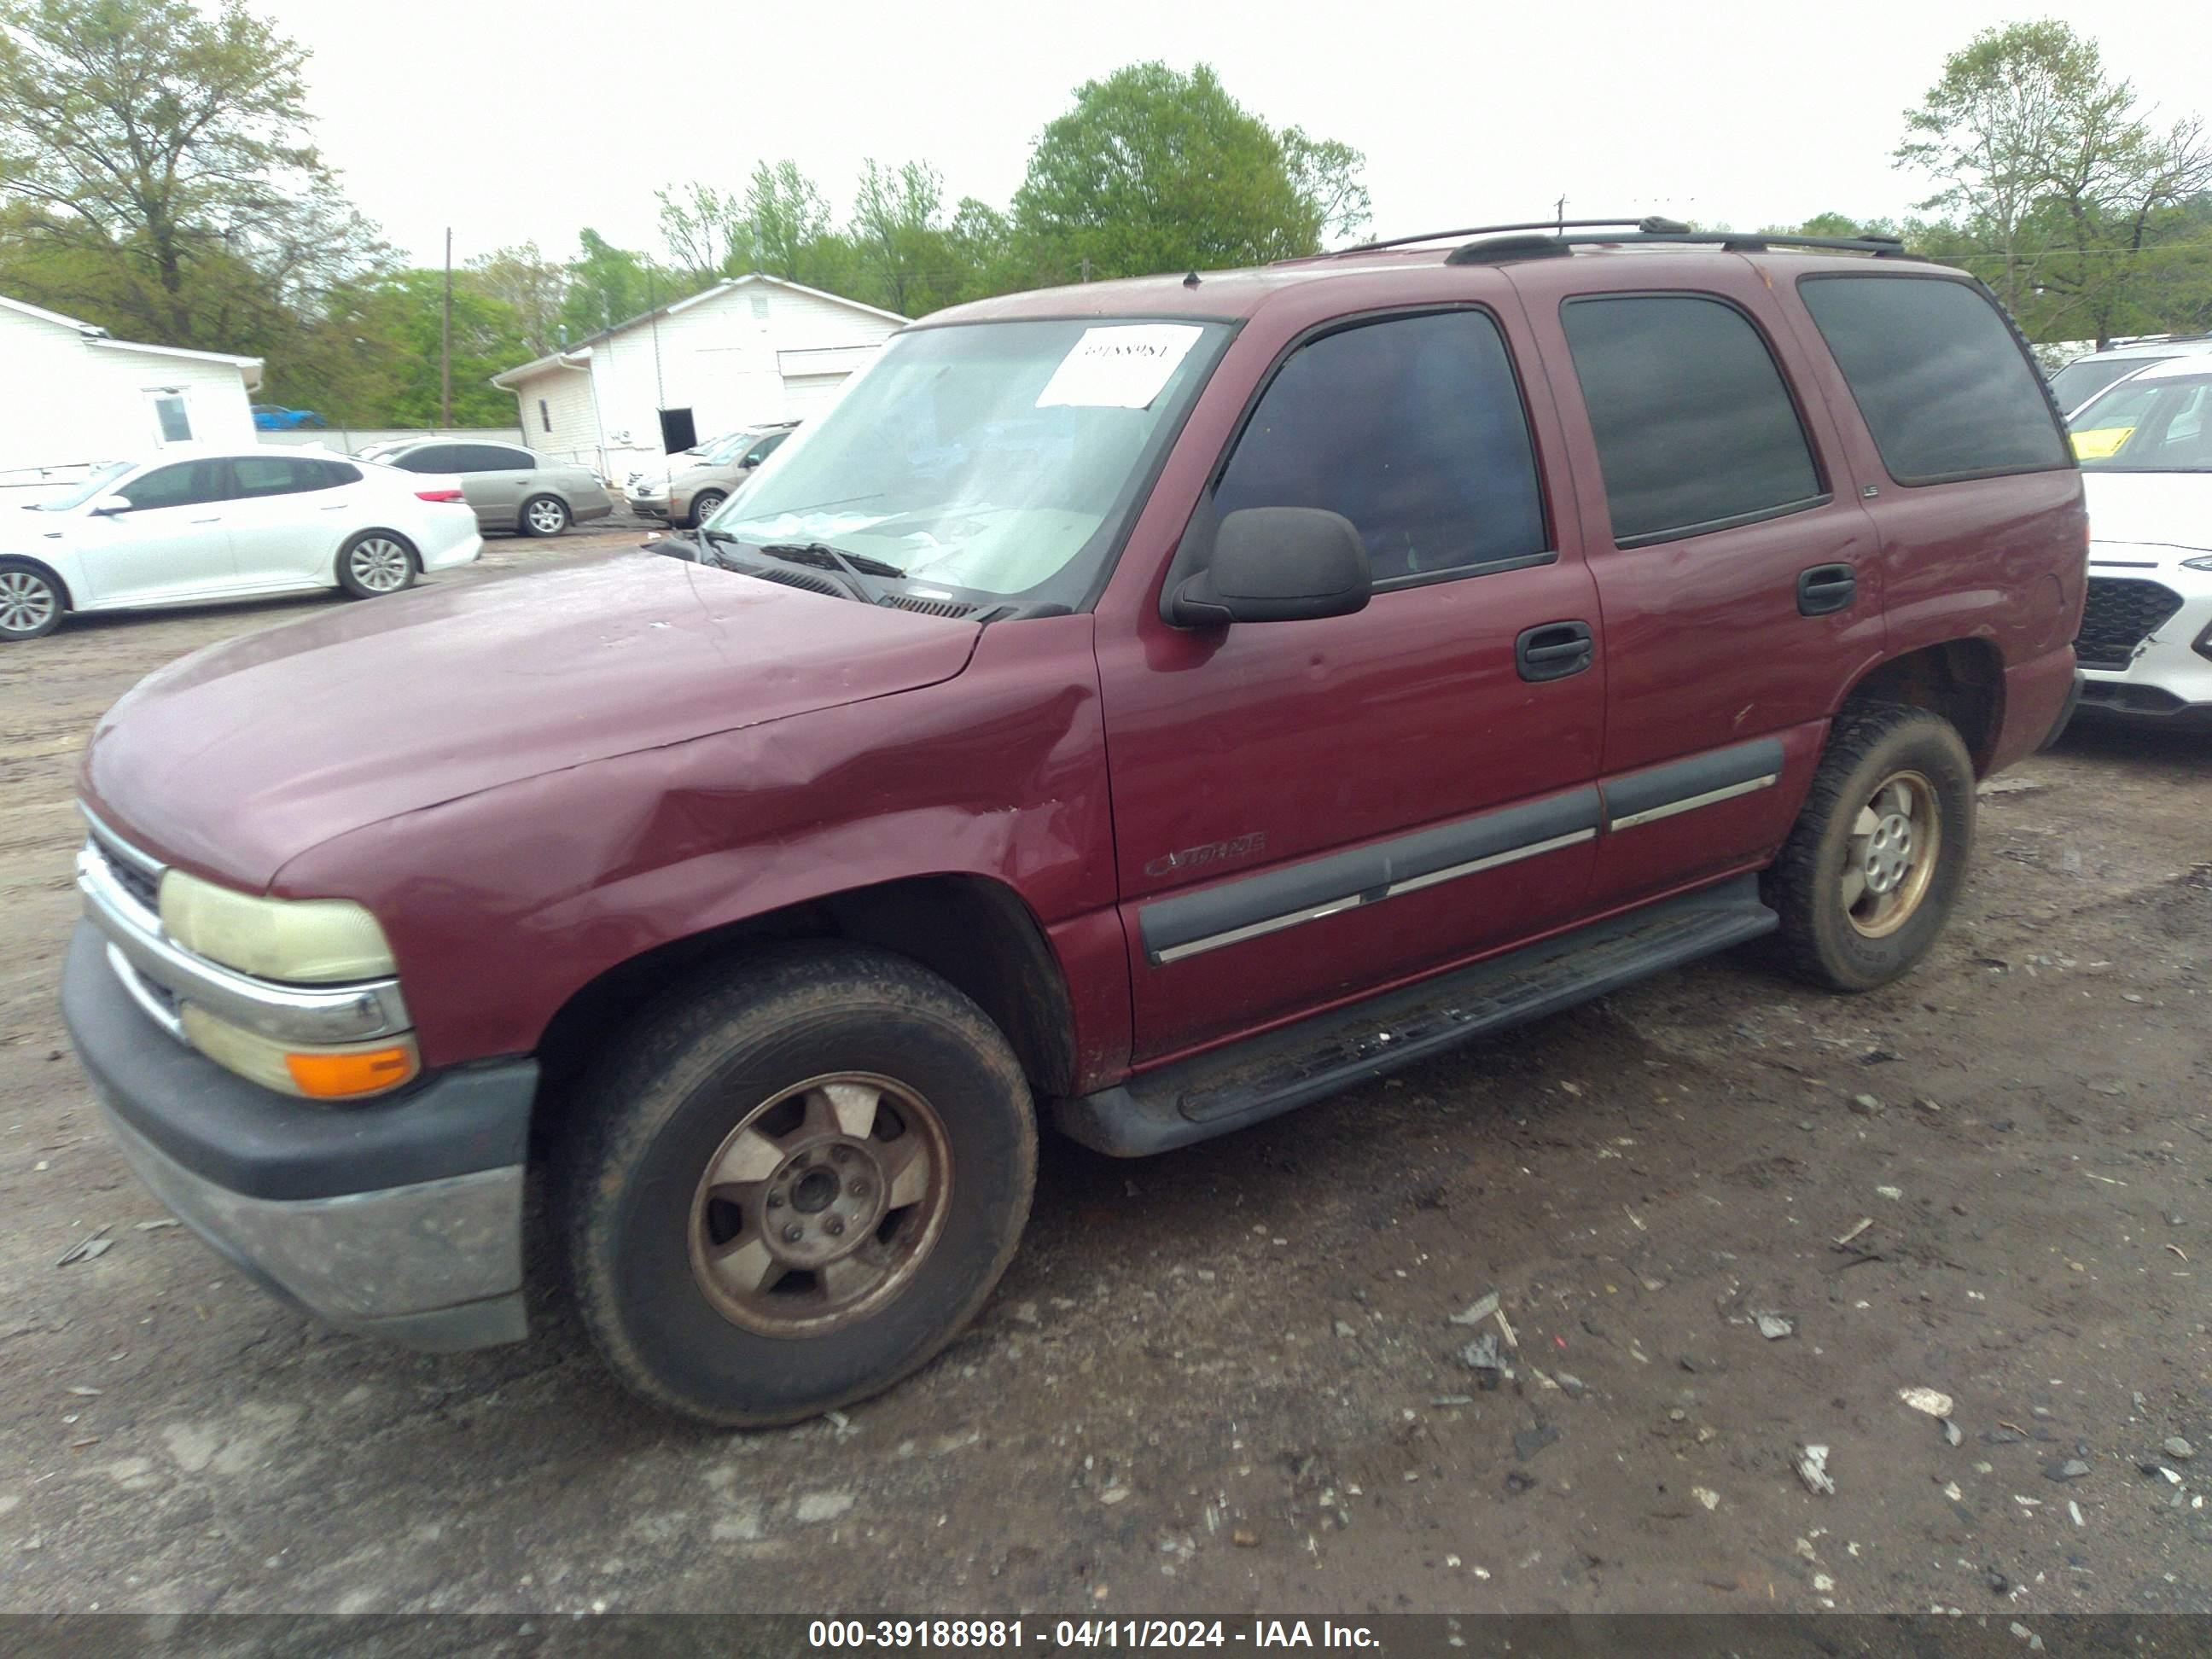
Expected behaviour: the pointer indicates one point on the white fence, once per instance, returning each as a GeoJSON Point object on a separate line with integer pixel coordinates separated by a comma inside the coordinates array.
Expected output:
{"type": "Point", "coordinates": [352, 439]}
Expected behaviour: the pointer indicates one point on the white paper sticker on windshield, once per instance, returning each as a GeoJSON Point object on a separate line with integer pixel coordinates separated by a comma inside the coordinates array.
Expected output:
{"type": "Point", "coordinates": [1123, 367]}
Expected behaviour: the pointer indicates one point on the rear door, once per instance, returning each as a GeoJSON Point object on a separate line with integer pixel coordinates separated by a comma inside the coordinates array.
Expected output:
{"type": "Point", "coordinates": [173, 544]}
{"type": "Point", "coordinates": [288, 514]}
{"type": "Point", "coordinates": [494, 478]}
{"type": "Point", "coordinates": [1306, 811]}
{"type": "Point", "coordinates": [1736, 568]}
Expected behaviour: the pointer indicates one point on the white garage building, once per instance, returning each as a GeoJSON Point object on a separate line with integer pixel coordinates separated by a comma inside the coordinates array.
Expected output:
{"type": "Point", "coordinates": [75, 396]}
{"type": "Point", "coordinates": [750, 349]}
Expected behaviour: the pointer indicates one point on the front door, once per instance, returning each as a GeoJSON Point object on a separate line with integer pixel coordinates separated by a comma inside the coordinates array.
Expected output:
{"type": "Point", "coordinates": [1305, 810]}
{"type": "Point", "coordinates": [171, 543]}
{"type": "Point", "coordinates": [1736, 569]}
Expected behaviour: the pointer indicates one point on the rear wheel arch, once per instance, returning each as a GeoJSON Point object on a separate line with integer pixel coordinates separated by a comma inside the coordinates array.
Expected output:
{"type": "Point", "coordinates": [974, 931]}
{"type": "Point", "coordinates": [1960, 680]}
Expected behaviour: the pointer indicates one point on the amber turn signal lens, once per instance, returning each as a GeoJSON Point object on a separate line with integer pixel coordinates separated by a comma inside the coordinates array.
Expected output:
{"type": "Point", "coordinates": [336, 1076]}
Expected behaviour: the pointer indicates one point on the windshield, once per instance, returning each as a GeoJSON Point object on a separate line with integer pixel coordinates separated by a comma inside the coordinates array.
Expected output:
{"type": "Point", "coordinates": [2147, 426]}
{"type": "Point", "coordinates": [2076, 384]}
{"type": "Point", "coordinates": [997, 458]}
{"type": "Point", "coordinates": [725, 449]}
{"type": "Point", "coordinates": [99, 479]}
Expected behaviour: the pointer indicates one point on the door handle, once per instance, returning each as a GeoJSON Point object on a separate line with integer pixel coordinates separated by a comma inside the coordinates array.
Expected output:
{"type": "Point", "coordinates": [1825, 589]}
{"type": "Point", "coordinates": [1552, 651]}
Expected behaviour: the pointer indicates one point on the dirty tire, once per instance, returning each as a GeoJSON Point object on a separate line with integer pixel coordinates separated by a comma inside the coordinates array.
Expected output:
{"type": "Point", "coordinates": [31, 601]}
{"type": "Point", "coordinates": [659, 1109]}
{"type": "Point", "coordinates": [1868, 744]}
{"type": "Point", "coordinates": [705, 505]}
{"type": "Point", "coordinates": [377, 562]}
{"type": "Point", "coordinates": [544, 516]}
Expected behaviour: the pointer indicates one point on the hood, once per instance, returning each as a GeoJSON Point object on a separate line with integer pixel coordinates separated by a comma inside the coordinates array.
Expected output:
{"type": "Point", "coordinates": [240, 757]}
{"type": "Point", "coordinates": [2170, 509]}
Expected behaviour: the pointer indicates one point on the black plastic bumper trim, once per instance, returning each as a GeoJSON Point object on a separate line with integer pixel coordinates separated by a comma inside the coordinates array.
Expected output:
{"type": "Point", "coordinates": [263, 1144]}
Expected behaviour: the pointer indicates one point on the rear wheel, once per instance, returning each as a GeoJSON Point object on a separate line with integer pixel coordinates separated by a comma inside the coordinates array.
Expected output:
{"type": "Point", "coordinates": [545, 515]}
{"type": "Point", "coordinates": [795, 1184]}
{"type": "Point", "coordinates": [706, 504]}
{"type": "Point", "coordinates": [1879, 855]}
{"type": "Point", "coordinates": [377, 562]}
{"type": "Point", "coordinates": [31, 602]}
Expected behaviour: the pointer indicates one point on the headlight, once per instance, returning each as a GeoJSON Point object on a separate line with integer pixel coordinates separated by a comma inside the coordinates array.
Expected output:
{"type": "Point", "coordinates": [305, 941]}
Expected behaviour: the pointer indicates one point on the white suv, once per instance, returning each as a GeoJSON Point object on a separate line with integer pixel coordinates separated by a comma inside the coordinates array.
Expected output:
{"type": "Point", "coordinates": [2145, 446]}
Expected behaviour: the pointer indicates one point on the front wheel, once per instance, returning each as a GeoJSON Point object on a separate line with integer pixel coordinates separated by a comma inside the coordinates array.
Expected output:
{"type": "Point", "coordinates": [376, 562]}
{"type": "Point", "coordinates": [1879, 855]}
{"type": "Point", "coordinates": [545, 515]}
{"type": "Point", "coordinates": [706, 505]}
{"type": "Point", "coordinates": [792, 1186]}
{"type": "Point", "coordinates": [30, 601]}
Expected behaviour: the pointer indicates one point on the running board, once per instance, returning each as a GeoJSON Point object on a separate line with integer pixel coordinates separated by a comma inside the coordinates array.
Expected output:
{"type": "Point", "coordinates": [1265, 1076]}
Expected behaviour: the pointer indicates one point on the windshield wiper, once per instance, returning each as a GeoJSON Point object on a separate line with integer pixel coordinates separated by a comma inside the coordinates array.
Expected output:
{"type": "Point", "coordinates": [822, 556]}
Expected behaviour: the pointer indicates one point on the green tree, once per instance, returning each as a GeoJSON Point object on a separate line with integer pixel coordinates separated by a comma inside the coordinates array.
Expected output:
{"type": "Point", "coordinates": [899, 243]}
{"type": "Point", "coordinates": [1154, 170]}
{"type": "Point", "coordinates": [707, 230]}
{"type": "Point", "coordinates": [168, 149]}
{"type": "Point", "coordinates": [403, 315]}
{"type": "Point", "coordinates": [535, 287]}
{"type": "Point", "coordinates": [2050, 162]}
{"type": "Point", "coordinates": [609, 285]}
{"type": "Point", "coordinates": [789, 219]}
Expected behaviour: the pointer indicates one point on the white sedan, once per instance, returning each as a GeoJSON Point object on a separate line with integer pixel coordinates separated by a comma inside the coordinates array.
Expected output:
{"type": "Point", "coordinates": [213, 526]}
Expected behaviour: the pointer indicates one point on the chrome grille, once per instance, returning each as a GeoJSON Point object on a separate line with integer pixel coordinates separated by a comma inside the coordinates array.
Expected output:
{"type": "Point", "coordinates": [2121, 613]}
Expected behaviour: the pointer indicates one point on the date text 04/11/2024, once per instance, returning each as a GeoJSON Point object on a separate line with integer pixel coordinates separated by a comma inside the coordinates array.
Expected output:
{"type": "Point", "coordinates": [917, 1634]}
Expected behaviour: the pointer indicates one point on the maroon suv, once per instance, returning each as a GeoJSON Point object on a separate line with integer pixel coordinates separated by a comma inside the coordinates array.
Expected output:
{"type": "Point", "coordinates": [1155, 704]}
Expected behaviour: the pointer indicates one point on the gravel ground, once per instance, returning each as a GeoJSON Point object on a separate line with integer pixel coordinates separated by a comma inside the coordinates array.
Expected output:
{"type": "Point", "coordinates": [1229, 1379]}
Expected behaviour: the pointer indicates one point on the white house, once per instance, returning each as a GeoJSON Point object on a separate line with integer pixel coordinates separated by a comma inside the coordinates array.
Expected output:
{"type": "Point", "coordinates": [75, 396]}
{"type": "Point", "coordinates": [749, 349]}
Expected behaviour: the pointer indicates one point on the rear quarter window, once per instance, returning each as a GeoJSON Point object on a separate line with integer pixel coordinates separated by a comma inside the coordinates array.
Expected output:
{"type": "Point", "coordinates": [1945, 387]}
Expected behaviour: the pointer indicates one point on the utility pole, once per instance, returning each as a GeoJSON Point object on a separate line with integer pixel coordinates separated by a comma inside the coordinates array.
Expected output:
{"type": "Point", "coordinates": [1083, 266]}
{"type": "Point", "coordinates": [446, 344]}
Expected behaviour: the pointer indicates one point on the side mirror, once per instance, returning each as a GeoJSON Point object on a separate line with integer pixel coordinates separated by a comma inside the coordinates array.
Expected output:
{"type": "Point", "coordinates": [111, 506]}
{"type": "Point", "coordinates": [1277, 564]}
{"type": "Point", "coordinates": [750, 462]}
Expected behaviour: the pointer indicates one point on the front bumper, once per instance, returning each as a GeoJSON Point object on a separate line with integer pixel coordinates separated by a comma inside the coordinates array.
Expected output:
{"type": "Point", "coordinates": [399, 1218]}
{"type": "Point", "coordinates": [652, 507]}
{"type": "Point", "coordinates": [2164, 673]}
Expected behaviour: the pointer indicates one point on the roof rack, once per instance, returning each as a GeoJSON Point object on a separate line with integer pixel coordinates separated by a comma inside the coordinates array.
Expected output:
{"type": "Point", "coordinates": [1651, 225]}
{"type": "Point", "coordinates": [1502, 248]}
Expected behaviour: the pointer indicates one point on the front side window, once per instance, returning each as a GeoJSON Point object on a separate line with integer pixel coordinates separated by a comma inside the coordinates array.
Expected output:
{"type": "Point", "coordinates": [1946, 390]}
{"type": "Point", "coordinates": [1413, 428]}
{"type": "Point", "coordinates": [430, 458]}
{"type": "Point", "coordinates": [1000, 458]}
{"type": "Point", "coordinates": [2147, 426]}
{"type": "Point", "coordinates": [766, 447]}
{"type": "Point", "coordinates": [1695, 430]}
{"type": "Point", "coordinates": [187, 484]}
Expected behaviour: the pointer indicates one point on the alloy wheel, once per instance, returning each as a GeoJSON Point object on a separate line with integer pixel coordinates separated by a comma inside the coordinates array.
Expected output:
{"type": "Point", "coordinates": [379, 564]}
{"type": "Point", "coordinates": [547, 518]}
{"type": "Point", "coordinates": [27, 602]}
{"type": "Point", "coordinates": [820, 1205]}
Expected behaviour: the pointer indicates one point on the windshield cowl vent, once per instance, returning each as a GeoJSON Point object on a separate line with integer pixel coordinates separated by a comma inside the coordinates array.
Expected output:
{"type": "Point", "coordinates": [813, 584]}
{"type": "Point", "coordinates": [927, 607]}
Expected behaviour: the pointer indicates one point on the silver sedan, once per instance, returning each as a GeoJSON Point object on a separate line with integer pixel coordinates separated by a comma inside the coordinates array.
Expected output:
{"type": "Point", "coordinates": [509, 487]}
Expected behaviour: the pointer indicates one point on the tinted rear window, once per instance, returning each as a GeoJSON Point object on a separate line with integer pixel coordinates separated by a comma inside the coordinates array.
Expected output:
{"type": "Point", "coordinates": [1945, 388]}
{"type": "Point", "coordinates": [1695, 430]}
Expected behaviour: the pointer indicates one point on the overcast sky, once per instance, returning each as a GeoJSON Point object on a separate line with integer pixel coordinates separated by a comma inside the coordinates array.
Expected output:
{"type": "Point", "coordinates": [513, 122]}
